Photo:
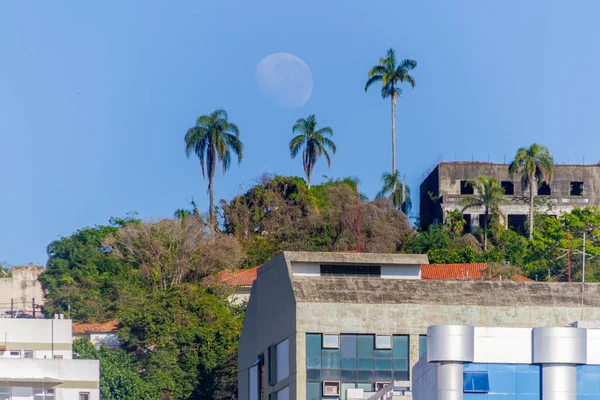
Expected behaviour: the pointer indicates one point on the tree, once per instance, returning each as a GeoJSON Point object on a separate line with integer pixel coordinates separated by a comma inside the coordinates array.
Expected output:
{"type": "Point", "coordinates": [391, 75]}
{"type": "Point", "coordinates": [213, 138]}
{"type": "Point", "coordinates": [489, 195]}
{"type": "Point", "coordinates": [313, 142]}
{"type": "Point", "coordinates": [399, 192]}
{"type": "Point", "coordinates": [535, 165]}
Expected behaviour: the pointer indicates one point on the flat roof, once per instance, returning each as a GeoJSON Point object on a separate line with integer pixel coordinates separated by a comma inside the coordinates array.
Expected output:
{"type": "Point", "coordinates": [355, 258]}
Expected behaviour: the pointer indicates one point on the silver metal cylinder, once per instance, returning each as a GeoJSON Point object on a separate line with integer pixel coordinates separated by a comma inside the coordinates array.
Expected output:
{"type": "Point", "coordinates": [450, 381]}
{"type": "Point", "coordinates": [559, 382]}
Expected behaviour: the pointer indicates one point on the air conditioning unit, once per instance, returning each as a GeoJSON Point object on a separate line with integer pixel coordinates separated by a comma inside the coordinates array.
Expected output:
{"type": "Point", "coordinates": [331, 388]}
{"type": "Point", "coordinates": [381, 385]}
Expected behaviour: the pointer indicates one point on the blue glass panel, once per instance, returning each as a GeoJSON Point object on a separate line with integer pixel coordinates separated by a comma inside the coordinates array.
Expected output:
{"type": "Point", "coordinates": [330, 363]}
{"type": "Point", "coordinates": [313, 345]}
{"type": "Point", "coordinates": [422, 345]}
{"type": "Point", "coordinates": [502, 396]}
{"type": "Point", "coordinates": [400, 375]}
{"type": "Point", "coordinates": [365, 346]}
{"type": "Point", "coordinates": [476, 382]}
{"type": "Point", "coordinates": [367, 387]}
{"type": "Point", "coordinates": [331, 374]}
{"type": "Point", "coordinates": [348, 363]}
{"type": "Point", "coordinates": [365, 375]}
{"type": "Point", "coordinates": [529, 382]}
{"type": "Point", "coordinates": [400, 346]}
{"type": "Point", "coordinates": [313, 363]}
{"type": "Point", "coordinates": [385, 365]}
{"type": "Point", "coordinates": [528, 368]}
{"type": "Point", "coordinates": [313, 374]}
{"type": "Point", "coordinates": [313, 390]}
{"type": "Point", "coordinates": [474, 367]}
{"type": "Point", "coordinates": [348, 376]}
{"type": "Point", "coordinates": [348, 346]}
{"type": "Point", "coordinates": [400, 365]}
{"type": "Point", "coordinates": [501, 381]}
{"type": "Point", "coordinates": [365, 365]}
{"type": "Point", "coordinates": [330, 353]}
{"type": "Point", "coordinates": [502, 367]}
{"type": "Point", "coordinates": [529, 397]}
{"type": "Point", "coordinates": [346, 386]}
{"type": "Point", "coordinates": [382, 354]}
{"type": "Point", "coordinates": [588, 380]}
{"type": "Point", "coordinates": [475, 396]}
{"type": "Point", "coordinates": [383, 375]}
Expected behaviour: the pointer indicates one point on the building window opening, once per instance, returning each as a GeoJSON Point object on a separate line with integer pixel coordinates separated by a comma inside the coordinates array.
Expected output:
{"type": "Point", "coordinates": [351, 270]}
{"type": "Point", "coordinates": [516, 222]}
{"type": "Point", "coordinates": [422, 345]}
{"type": "Point", "coordinates": [576, 188]}
{"type": "Point", "coordinates": [544, 190]}
{"type": "Point", "coordinates": [476, 382]}
{"type": "Point", "coordinates": [509, 187]}
{"type": "Point", "coordinates": [465, 188]}
{"type": "Point", "coordinates": [467, 228]}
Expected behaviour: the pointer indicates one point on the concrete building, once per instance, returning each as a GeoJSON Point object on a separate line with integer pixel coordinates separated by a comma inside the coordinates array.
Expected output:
{"type": "Point", "coordinates": [481, 363]}
{"type": "Point", "coordinates": [21, 292]}
{"type": "Point", "coordinates": [98, 333]}
{"type": "Point", "coordinates": [441, 191]}
{"type": "Point", "coordinates": [319, 324]}
{"type": "Point", "coordinates": [36, 362]}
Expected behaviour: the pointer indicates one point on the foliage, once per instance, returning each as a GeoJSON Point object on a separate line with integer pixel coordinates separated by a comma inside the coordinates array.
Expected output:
{"type": "Point", "coordinates": [398, 190]}
{"type": "Point", "coordinates": [313, 142]}
{"type": "Point", "coordinates": [391, 74]}
{"type": "Point", "coordinates": [183, 339]}
{"type": "Point", "coordinates": [119, 379]}
{"type": "Point", "coordinates": [455, 222]}
{"type": "Point", "coordinates": [213, 138]}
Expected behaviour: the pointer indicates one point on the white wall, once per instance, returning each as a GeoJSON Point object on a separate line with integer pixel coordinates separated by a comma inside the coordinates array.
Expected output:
{"type": "Point", "coordinates": [15, 330]}
{"type": "Point", "coordinates": [593, 346]}
{"type": "Point", "coordinates": [401, 271]}
{"type": "Point", "coordinates": [22, 288]}
{"type": "Point", "coordinates": [503, 345]}
{"type": "Point", "coordinates": [306, 269]}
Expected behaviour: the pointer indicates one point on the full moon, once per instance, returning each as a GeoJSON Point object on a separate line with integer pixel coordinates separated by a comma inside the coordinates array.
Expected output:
{"type": "Point", "coordinates": [285, 79]}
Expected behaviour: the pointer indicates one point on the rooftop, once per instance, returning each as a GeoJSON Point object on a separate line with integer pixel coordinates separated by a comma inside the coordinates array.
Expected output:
{"type": "Point", "coordinates": [460, 272]}
{"type": "Point", "coordinates": [81, 328]}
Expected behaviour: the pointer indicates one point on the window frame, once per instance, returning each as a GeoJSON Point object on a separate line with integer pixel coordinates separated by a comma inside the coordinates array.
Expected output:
{"type": "Point", "coordinates": [84, 394]}
{"type": "Point", "coordinates": [473, 389]}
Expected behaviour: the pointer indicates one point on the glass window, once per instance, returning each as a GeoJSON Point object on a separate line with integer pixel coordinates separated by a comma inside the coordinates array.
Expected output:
{"type": "Point", "coordinates": [330, 363]}
{"type": "Point", "coordinates": [382, 354]}
{"type": "Point", "coordinates": [330, 353]}
{"type": "Point", "coordinates": [346, 386]}
{"type": "Point", "coordinates": [15, 353]}
{"type": "Point", "coordinates": [400, 375]}
{"type": "Point", "coordinates": [84, 396]}
{"type": "Point", "coordinates": [422, 345]}
{"type": "Point", "coordinates": [348, 363]}
{"type": "Point", "coordinates": [401, 346]}
{"type": "Point", "coordinates": [365, 346]}
{"type": "Point", "coordinates": [330, 374]}
{"type": "Point", "coordinates": [383, 342]}
{"type": "Point", "coordinates": [313, 374]}
{"type": "Point", "coordinates": [365, 375]}
{"type": "Point", "coordinates": [365, 364]}
{"type": "Point", "coordinates": [5, 393]}
{"type": "Point", "coordinates": [313, 363]}
{"type": "Point", "coordinates": [349, 375]}
{"type": "Point", "coordinates": [27, 354]}
{"type": "Point", "coordinates": [313, 390]}
{"type": "Point", "coordinates": [401, 365]}
{"type": "Point", "coordinates": [348, 346]}
{"type": "Point", "coordinates": [331, 341]}
{"type": "Point", "coordinates": [385, 365]}
{"type": "Point", "coordinates": [313, 345]}
{"type": "Point", "coordinates": [383, 375]}
{"type": "Point", "coordinates": [476, 382]}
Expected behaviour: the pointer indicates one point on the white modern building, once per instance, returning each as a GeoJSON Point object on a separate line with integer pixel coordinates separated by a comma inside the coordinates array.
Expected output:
{"type": "Point", "coordinates": [36, 362]}
{"type": "Point", "coordinates": [481, 363]}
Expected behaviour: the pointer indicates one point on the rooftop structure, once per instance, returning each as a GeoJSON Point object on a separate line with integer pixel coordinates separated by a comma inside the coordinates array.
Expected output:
{"type": "Point", "coordinates": [21, 293]}
{"type": "Point", "coordinates": [98, 333]}
{"type": "Point", "coordinates": [36, 362]}
{"type": "Point", "coordinates": [319, 324]}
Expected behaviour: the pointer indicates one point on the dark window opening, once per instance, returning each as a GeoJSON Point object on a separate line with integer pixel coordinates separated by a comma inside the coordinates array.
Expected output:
{"type": "Point", "coordinates": [465, 188]}
{"type": "Point", "coordinates": [576, 188]}
{"type": "Point", "coordinates": [467, 228]}
{"type": "Point", "coordinates": [509, 187]}
{"type": "Point", "coordinates": [351, 270]}
{"type": "Point", "coordinates": [516, 222]}
{"type": "Point", "coordinates": [476, 382]}
{"type": "Point", "coordinates": [544, 190]}
{"type": "Point", "coordinates": [482, 218]}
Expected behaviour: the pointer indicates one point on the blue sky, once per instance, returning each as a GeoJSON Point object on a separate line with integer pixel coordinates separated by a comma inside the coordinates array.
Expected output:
{"type": "Point", "coordinates": [95, 97]}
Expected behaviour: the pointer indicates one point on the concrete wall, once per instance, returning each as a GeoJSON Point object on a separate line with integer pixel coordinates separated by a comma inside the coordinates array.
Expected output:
{"type": "Point", "coordinates": [22, 288]}
{"type": "Point", "coordinates": [424, 385]}
{"type": "Point", "coordinates": [46, 337]}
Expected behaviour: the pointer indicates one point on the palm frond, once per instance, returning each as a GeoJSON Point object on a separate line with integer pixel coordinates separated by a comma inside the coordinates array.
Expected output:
{"type": "Point", "coordinates": [372, 80]}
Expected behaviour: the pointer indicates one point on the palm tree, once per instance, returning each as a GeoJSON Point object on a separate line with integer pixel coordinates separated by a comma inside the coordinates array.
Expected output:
{"type": "Point", "coordinates": [314, 143]}
{"type": "Point", "coordinates": [399, 191]}
{"type": "Point", "coordinates": [213, 138]}
{"type": "Point", "coordinates": [489, 194]}
{"type": "Point", "coordinates": [536, 166]}
{"type": "Point", "coordinates": [391, 75]}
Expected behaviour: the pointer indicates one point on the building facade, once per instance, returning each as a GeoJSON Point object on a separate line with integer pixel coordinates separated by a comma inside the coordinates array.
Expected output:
{"type": "Point", "coordinates": [21, 293]}
{"type": "Point", "coordinates": [441, 191]}
{"type": "Point", "coordinates": [36, 362]}
{"type": "Point", "coordinates": [482, 363]}
{"type": "Point", "coordinates": [320, 324]}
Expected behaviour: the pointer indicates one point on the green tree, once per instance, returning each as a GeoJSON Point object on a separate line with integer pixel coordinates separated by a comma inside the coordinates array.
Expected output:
{"type": "Point", "coordinates": [535, 166]}
{"type": "Point", "coordinates": [213, 139]}
{"type": "Point", "coordinates": [455, 222]}
{"type": "Point", "coordinates": [487, 194]}
{"type": "Point", "coordinates": [391, 75]}
{"type": "Point", "coordinates": [398, 190]}
{"type": "Point", "coordinates": [313, 142]}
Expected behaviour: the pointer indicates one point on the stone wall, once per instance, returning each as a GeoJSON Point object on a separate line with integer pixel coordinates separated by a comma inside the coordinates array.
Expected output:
{"type": "Point", "coordinates": [22, 288]}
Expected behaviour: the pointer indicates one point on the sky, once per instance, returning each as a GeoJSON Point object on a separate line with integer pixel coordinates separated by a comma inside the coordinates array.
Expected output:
{"type": "Point", "coordinates": [95, 97]}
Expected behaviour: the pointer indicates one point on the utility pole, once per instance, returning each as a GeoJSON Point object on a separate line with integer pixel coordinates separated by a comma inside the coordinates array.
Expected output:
{"type": "Point", "coordinates": [583, 268]}
{"type": "Point", "coordinates": [569, 254]}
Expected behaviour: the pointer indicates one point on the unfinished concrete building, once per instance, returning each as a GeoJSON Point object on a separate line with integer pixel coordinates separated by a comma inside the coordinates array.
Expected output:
{"type": "Point", "coordinates": [441, 192]}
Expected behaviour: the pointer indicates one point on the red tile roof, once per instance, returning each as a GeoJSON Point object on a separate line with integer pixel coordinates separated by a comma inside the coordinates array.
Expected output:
{"type": "Point", "coordinates": [80, 328]}
{"type": "Point", "coordinates": [240, 277]}
{"type": "Point", "coordinates": [459, 271]}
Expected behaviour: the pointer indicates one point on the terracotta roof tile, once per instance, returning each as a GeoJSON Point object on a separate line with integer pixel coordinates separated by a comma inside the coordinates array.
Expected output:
{"type": "Point", "coordinates": [240, 277]}
{"type": "Point", "coordinates": [80, 328]}
{"type": "Point", "coordinates": [444, 272]}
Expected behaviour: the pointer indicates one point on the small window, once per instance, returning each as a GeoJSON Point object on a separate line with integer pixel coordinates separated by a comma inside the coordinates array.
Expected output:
{"type": "Point", "coordinates": [465, 188]}
{"type": "Point", "coordinates": [476, 382]}
{"type": "Point", "coordinates": [509, 187]}
{"type": "Point", "coordinates": [84, 396]}
{"type": "Point", "coordinates": [331, 341]}
{"type": "Point", "coordinates": [331, 389]}
{"type": "Point", "coordinates": [383, 342]}
{"type": "Point", "coordinates": [58, 357]}
{"type": "Point", "coordinates": [544, 190]}
{"type": "Point", "coordinates": [381, 385]}
{"type": "Point", "coordinates": [27, 353]}
{"type": "Point", "coordinates": [15, 353]}
{"type": "Point", "coordinates": [576, 188]}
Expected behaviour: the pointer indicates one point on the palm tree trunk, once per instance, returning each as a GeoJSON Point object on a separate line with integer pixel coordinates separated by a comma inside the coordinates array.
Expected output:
{"type": "Point", "coordinates": [308, 181]}
{"type": "Point", "coordinates": [211, 210]}
{"type": "Point", "coordinates": [485, 224]}
{"type": "Point", "coordinates": [393, 140]}
{"type": "Point", "coordinates": [530, 208]}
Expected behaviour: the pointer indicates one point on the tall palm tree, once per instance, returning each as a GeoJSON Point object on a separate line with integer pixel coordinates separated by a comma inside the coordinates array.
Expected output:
{"type": "Point", "coordinates": [536, 166]}
{"type": "Point", "coordinates": [398, 190]}
{"type": "Point", "coordinates": [391, 75]}
{"type": "Point", "coordinates": [489, 194]}
{"type": "Point", "coordinates": [213, 139]}
{"type": "Point", "coordinates": [313, 142]}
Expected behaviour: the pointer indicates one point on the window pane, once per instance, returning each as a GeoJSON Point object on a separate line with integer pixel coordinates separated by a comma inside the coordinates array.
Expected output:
{"type": "Point", "coordinates": [385, 365]}
{"type": "Point", "coordinates": [334, 353]}
{"type": "Point", "coordinates": [367, 387]}
{"type": "Point", "coordinates": [330, 374]}
{"type": "Point", "coordinates": [331, 341]}
{"type": "Point", "coordinates": [313, 363]}
{"type": "Point", "coordinates": [84, 396]}
{"type": "Point", "coordinates": [365, 364]}
{"type": "Point", "coordinates": [348, 346]}
{"type": "Point", "coordinates": [313, 345]}
{"type": "Point", "coordinates": [476, 382]}
{"type": "Point", "coordinates": [422, 345]}
{"type": "Point", "coordinates": [346, 386]}
{"type": "Point", "coordinates": [348, 363]}
{"type": "Point", "coordinates": [401, 365]}
{"type": "Point", "coordinates": [383, 375]}
{"type": "Point", "coordinates": [313, 374]}
{"type": "Point", "coordinates": [365, 375]}
{"type": "Point", "coordinates": [313, 390]}
{"type": "Point", "coordinates": [330, 363]}
{"type": "Point", "coordinates": [349, 375]}
{"type": "Point", "coordinates": [400, 346]}
{"type": "Point", "coordinates": [382, 354]}
{"type": "Point", "coordinates": [365, 346]}
{"type": "Point", "coordinates": [400, 375]}
{"type": "Point", "coordinates": [383, 342]}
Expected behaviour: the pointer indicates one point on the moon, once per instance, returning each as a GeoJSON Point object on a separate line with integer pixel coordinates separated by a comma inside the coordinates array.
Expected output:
{"type": "Point", "coordinates": [285, 79]}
